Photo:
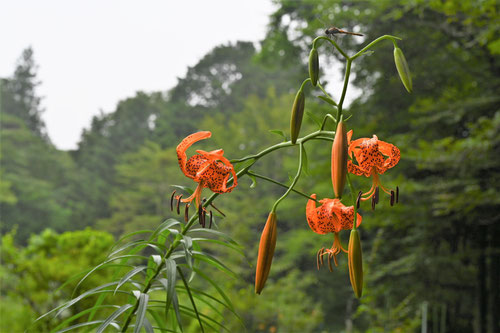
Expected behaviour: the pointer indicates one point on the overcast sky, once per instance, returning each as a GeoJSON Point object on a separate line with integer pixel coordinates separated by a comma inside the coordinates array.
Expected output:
{"type": "Point", "coordinates": [92, 53]}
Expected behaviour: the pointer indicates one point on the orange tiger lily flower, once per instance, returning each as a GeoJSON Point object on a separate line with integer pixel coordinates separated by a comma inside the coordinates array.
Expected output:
{"type": "Point", "coordinates": [208, 169]}
{"type": "Point", "coordinates": [373, 157]}
{"type": "Point", "coordinates": [330, 216]}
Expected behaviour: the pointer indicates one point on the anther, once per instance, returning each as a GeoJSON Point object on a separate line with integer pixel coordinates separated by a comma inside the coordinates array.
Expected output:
{"type": "Point", "coordinates": [392, 198]}
{"type": "Point", "coordinates": [172, 201]}
{"type": "Point", "coordinates": [335, 259]}
{"type": "Point", "coordinates": [178, 204]}
{"type": "Point", "coordinates": [397, 194]}
{"type": "Point", "coordinates": [358, 199]}
{"type": "Point", "coordinates": [330, 262]}
{"type": "Point", "coordinates": [186, 213]}
{"type": "Point", "coordinates": [317, 259]}
{"type": "Point", "coordinates": [203, 217]}
{"type": "Point", "coordinates": [376, 195]}
{"type": "Point", "coordinates": [211, 218]}
{"type": "Point", "coordinates": [373, 203]}
{"type": "Point", "coordinates": [200, 213]}
{"type": "Point", "coordinates": [321, 255]}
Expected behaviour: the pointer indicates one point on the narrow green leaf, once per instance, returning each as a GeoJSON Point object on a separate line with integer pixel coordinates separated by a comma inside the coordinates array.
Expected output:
{"type": "Point", "coordinates": [158, 318]}
{"type": "Point", "coordinates": [141, 312]}
{"type": "Point", "coordinates": [191, 298]}
{"type": "Point", "coordinates": [233, 247]}
{"type": "Point", "coordinates": [147, 326]}
{"type": "Point", "coordinates": [103, 264]}
{"type": "Point", "coordinates": [76, 316]}
{"type": "Point", "coordinates": [314, 118]}
{"type": "Point", "coordinates": [188, 247]}
{"type": "Point", "coordinates": [280, 133]}
{"type": "Point", "coordinates": [208, 258]}
{"type": "Point", "coordinates": [170, 266]}
{"type": "Point", "coordinates": [112, 317]}
{"type": "Point", "coordinates": [153, 262]}
{"type": "Point", "coordinates": [216, 286]}
{"type": "Point", "coordinates": [328, 100]}
{"type": "Point", "coordinates": [90, 323]}
{"type": "Point", "coordinates": [184, 188]}
{"type": "Point", "coordinates": [254, 181]}
{"type": "Point", "coordinates": [129, 275]}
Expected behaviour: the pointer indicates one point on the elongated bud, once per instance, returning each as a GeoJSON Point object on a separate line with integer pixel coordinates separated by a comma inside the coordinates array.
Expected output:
{"type": "Point", "coordinates": [339, 160]}
{"type": "Point", "coordinates": [355, 259]}
{"type": "Point", "coordinates": [403, 69]}
{"type": "Point", "coordinates": [266, 252]}
{"type": "Point", "coordinates": [314, 66]}
{"type": "Point", "coordinates": [297, 113]}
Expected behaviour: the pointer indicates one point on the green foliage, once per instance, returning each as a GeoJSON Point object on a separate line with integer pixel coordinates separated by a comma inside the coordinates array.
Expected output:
{"type": "Point", "coordinates": [38, 277]}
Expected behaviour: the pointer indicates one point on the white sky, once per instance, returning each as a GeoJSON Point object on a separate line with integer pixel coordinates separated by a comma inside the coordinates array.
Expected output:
{"type": "Point", "coordinates": [92, 53]}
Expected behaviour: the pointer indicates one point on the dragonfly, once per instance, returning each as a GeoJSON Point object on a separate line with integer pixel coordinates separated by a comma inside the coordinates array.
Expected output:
{"type": "Point", "coordinates": [332, 31]}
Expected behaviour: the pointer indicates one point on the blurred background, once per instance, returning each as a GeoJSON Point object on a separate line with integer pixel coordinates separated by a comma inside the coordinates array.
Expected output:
{"type": "Point", "coordinates": [88, 152]}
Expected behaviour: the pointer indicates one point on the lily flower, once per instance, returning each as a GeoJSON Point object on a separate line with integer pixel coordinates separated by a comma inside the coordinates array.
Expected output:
{"type": "Point", "coordinates": [330, 216]}
{"type": "Point", "coordinates": [373, 157]}
{"type": "Point", "coordinates": [209, 169]}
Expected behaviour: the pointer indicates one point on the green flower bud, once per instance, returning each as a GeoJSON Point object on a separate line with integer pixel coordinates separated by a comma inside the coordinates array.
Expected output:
{"type": "Point", "coordinates": [355, 261]}
{"type": "Point", "coordinates": [314, 66]}
{"type": "Point", "coordinates": [297, 113]}
{"type": "Point", "coordinates": [403, 69]}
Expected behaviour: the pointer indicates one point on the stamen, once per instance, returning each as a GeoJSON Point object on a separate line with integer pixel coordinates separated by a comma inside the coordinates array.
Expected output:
{"type": "Point", "coordinates": [392, 198]}
{"type": "Point", "coordinates": [376, 196]}
{"type": "Point", "coordinates": [186, 213]}
{"type": "Point", "coordinates": [200, 211]}
{"type": "Point", "coordinates": [373, 203]}
{"type": "Point", "coordinates": [172, 201]}
{"type": "Point", "coordinates": [358, 199]}
{"type": "Point", "coordinates": [203, 217]}
{"type": "Point", "coordinates": [211, 218]}
{"type": "Point", "coordinates": [321, 255]}
{"type": "Point", "coordinates": [330, 262]}
{"type": "Point", "coordinates": [178, 204]}
{"type": "Point", "coordinates": [397, 194]}
{"type": "Point", "coordinates": [217, 209]}
{"type": "Point", "coordinates": [335, 259]}
{"type": "Point", "coordinates": [317, 259]}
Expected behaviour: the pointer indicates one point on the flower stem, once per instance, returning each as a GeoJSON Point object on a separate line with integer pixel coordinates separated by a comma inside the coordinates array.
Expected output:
{"type": "Point", "coordinates": [315, 41]}
{"type": "Point", "coordinates": [351, 187]}
{"type": "Point", "coordinates": [297, 176]}
{"type": "Point", "coordinates": [251, 173]}
{"type": "Point", "coordinates": [381, 38]}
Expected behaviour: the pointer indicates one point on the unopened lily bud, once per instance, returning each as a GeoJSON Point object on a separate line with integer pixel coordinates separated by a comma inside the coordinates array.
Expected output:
{"type": "Point", "coordinates": [266, 252]}
{"type": "Point", "coordinates": [339, 160]}
{"type": "Point", "coordinates": [403, 69]}
{"type": "Point", "coordinates": [355, 259]}
{"type": "Point", "coordinates": [314, 66]}
{"type": "Point", "coordinates": [297, 113]}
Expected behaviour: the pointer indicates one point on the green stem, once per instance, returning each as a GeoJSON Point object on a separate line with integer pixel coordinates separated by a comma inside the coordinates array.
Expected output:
{"type": "Point", "coordinates": [353, 200]}
{"type": "Point", "coordinates": [283, 145]}
{"type": "Point", "coordinates": [304, 83]}
{"type": "Point", "coordinates": [364, 49]}
{"type": "Point", "coordinates": [344, 90]}
{"type": "Point", "coordinates": [315, 41]}
{"type": "Point", "coordinates": [251, 173]}
{"type": "Point", "coordinates": [297, 176]}
{"type": "Point", "coordinates": [327, 116]}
